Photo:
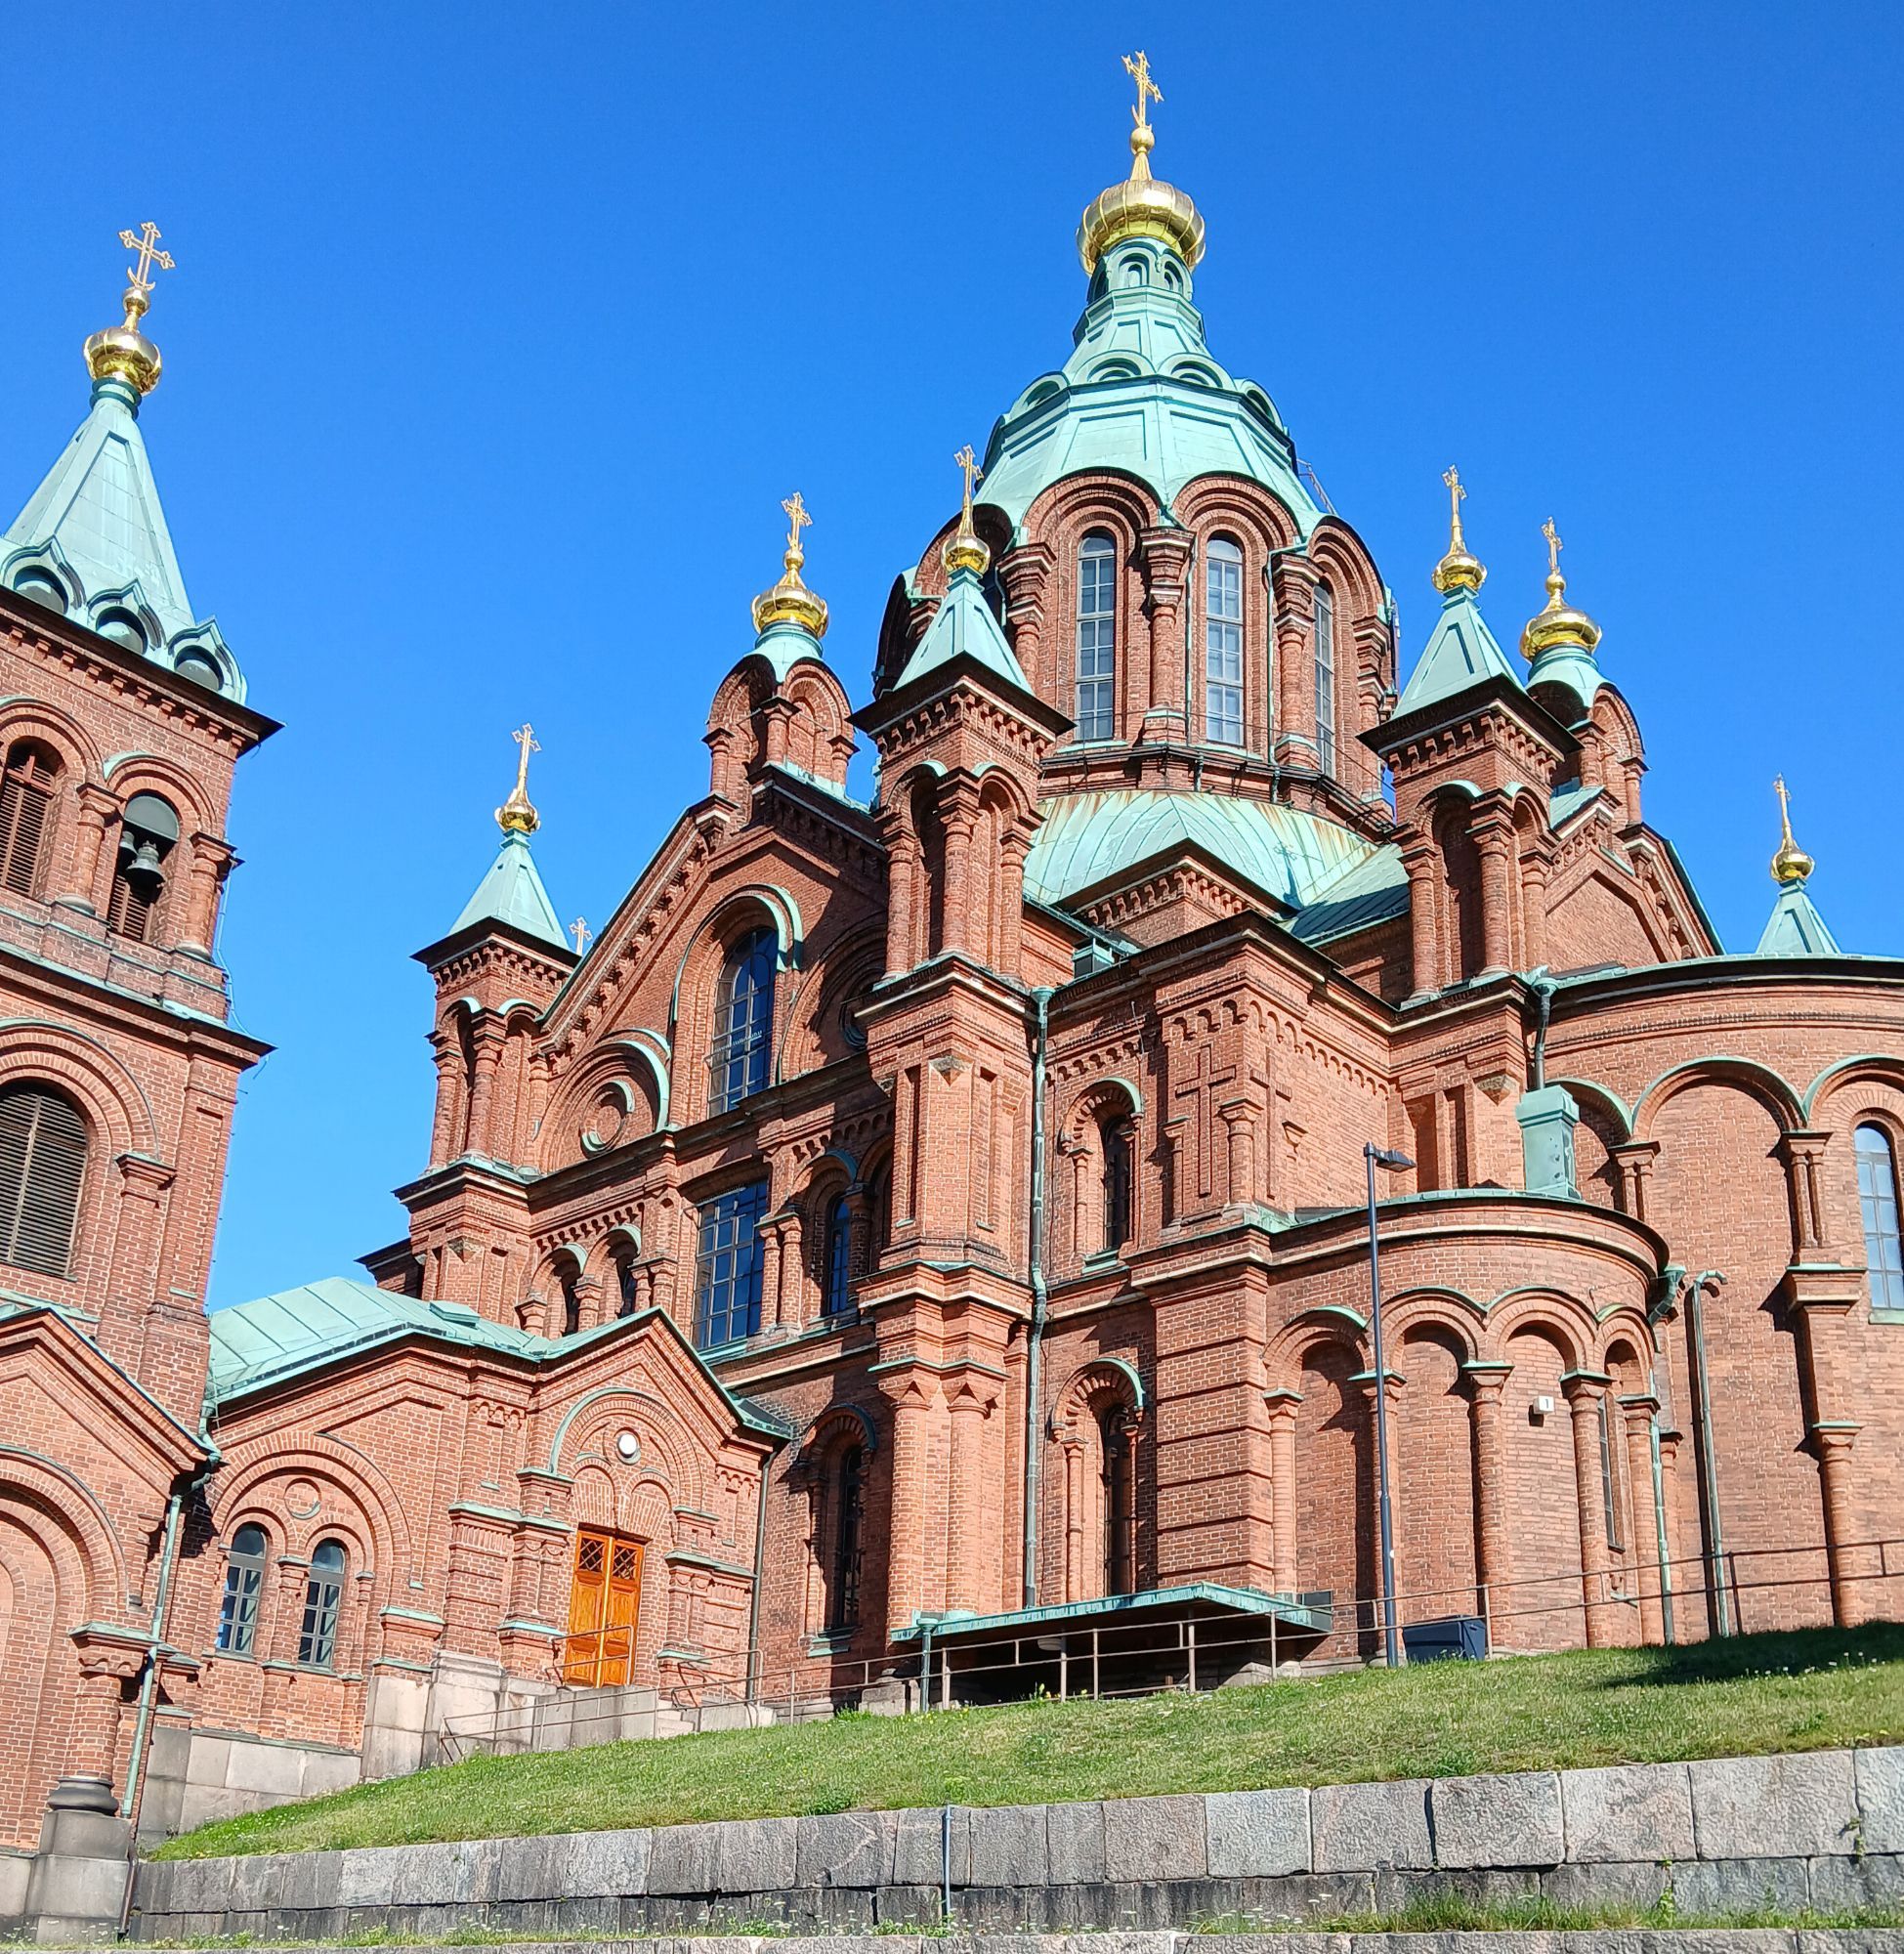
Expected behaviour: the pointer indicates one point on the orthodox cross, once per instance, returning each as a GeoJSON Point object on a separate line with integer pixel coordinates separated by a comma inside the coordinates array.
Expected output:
{"type": "Point", "coordinates": [1784, 805]}
{"type": "Point", "coordinates": [1204, 1088]}
{"type": "Point", "coordinates": [526, 740]}
{"type": "Point", "coordinates": [1138, 67]}
{"type": "Point", "coordinates": [582, 934]}
{"type": "Point", "coordinates": [797, 518]}
{"type": "Point", "coordinates": [1457, 495]}
{"type": "Point", "coordinates": [968, 461]}
{"type": "Point", "coordinates": [145, 242]}
{"type": "Point", "coordinates": [1554, 547]}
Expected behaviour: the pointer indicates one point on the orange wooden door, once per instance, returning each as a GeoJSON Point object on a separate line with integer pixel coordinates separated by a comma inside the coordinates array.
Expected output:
{"type": "Point", "coordinates": [603, 1610]}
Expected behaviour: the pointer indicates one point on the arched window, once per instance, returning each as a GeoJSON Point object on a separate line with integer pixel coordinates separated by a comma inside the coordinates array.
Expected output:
{"type": "Point", "coordinates": [146, 835]}
{"type": "Point", "coordinates": [1325, 678]}
{"type": "Point", "coordinates": [743, 1022]}
{"type": "Point", "coordinates": [323, 1598]}
{"type": "Point", "coordinates": [26, 815]}
{"type": "Point", "coordinates": [849, 1511]}
{"type": "Point", "coordinates": [569, 1276]}
{"type": "Point", "coordinates": [624, 1280]}
{"type": "Point", "coordinates": [244, 1581]}
{"type": "Point", "coordinates": [1223, 644]}
{"type": "Point", "coordinates": [1097, 638]}
{"type": "Point", "coordinates": [42, 1169]}
{"type": "Point", "coordinates": [837, 1289]}
{"type": "Point", "coordinates": [1877, 1201]}
{"type": "Point", "coordinates": [727, 1271]}
{"type": "Point", "coordinates": [1118, 1509]}
{"type": "Point", "coordinates": [1115, 1136]}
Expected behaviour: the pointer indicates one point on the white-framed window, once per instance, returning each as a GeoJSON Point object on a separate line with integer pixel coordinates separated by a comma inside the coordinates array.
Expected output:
{"type": "Point", "coordinates": [1223, 644]}
{"type": "Point", "coordinates": [1883, 1253]}
{"type": "Point", "coordinates": [1097, 637]}
{"type": "Point", "coordinates": [1326, 678]}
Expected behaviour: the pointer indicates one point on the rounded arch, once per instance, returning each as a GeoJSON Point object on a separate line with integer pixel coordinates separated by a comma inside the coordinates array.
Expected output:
{"type": "Point", "coordinates": [1590, 1096]}
{"type": "Point", "coordinates": [1260, 518]}
{"type": "Point", "coordinates": [382, 1530]}
{"type": "Point", "coordinates": [1340, 554]}
{"type": "Point", "coordinates": [838, 1425]}
{"type": "Point", "coordinates": [128, 774]}
{"type": "Point", "coordinates": [1092, 1387]}
{"type": "Point", "coordinates": [1863, 1068]}
{"type": "Point", "coordinates": [1749, 1074]}
{"type": "Point", "coordinates": [1533, 1311]}
{"type": "Point", "coordinates": [24, 718]}
{"type": "Point", "coordinates": [65, 1503]}
{"type": "Point", "coordinates": [820, 1027]}
{"type": "Point", "coordinates": [1433, 1310]}
{"type": "Point", "coordinates": [112, 1100]}
{"type": "Point", "coordinates": [728, 918]}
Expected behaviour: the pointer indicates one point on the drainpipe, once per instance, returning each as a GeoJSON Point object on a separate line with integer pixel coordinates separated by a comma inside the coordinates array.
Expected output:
{"type": "Point", "coordinates": [148, 1682]}
{"type": "Point", "coordinates": [1708, 1461]}
{"type": "Point", "coordinates": [1034, 1337]}
{"type": "Point", "coordinates": [1659, 1521]}
{"type": "Point", "coordinates": [1544, 986]}
{"type": "Point", "coordinates": [753, 1600]}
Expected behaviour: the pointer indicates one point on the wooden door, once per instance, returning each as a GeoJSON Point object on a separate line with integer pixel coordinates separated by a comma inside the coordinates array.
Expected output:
{"type": "Point", "coordinates": [603, 1610]}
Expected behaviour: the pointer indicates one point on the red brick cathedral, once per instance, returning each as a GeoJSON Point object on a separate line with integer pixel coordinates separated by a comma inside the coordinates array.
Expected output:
{"type": "Point", "coordinates": [932, 1232]}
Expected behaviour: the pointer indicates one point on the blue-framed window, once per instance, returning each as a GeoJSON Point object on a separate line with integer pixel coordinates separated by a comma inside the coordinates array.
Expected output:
{"type": "Point", "coordinates": [1097, 638]}
{"type": "Point", "coordinates": [244, 1581]}
{"type": "Point", "coordinates": [743, 1022]}
{"type": "Point", "coordinates": [726, 1269]}
{"type": "Point", "coordinates": [323, 1600]}
{"type": "Point", "coordinates": [1223, 644]}
{"type": "Point", "coordinates": [838, 1296]}
{"type": "Point", "coordinates": [1326, 678]}
{"type": "Point", "coordinates": [1883, 1253]}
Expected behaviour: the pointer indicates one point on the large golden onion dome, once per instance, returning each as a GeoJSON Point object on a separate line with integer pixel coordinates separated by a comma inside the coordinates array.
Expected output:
{"type": "Point", "coordinates": [1458, 570]}
{"type": "Point", "coordinates": [789, 601]}
{"type": "Point", "coordinates": [1141, 206]}
{"type": "Point", "coordinates": [122, 352]}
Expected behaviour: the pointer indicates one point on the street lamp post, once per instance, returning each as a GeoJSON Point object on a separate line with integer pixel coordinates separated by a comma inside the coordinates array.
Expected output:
{"type": "Point", "coordinates": [1381, 1157]}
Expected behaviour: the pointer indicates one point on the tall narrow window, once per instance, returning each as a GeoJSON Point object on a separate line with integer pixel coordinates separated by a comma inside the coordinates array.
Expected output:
{"type": "Point", "coordinates": [324, 1599]}
{"type": "Point", "coordinates": [1097, 638]}
{"type": "Point", "coordinates": [1116, 1133]}
{"type": "Point", "coordinates": [727, 1276]}
{"type": "Point", "coordinates": [838, 1297]}
{"type": "Point", "coordinates": [743, 1022]}
{"type": "Point", "coordinates": [571, 1301]}
{"type": "Point", "coordinates": [26, 815]}
{"type": "Point", "coordinates": [146, 833]}
{"type": "Point", "coordinates": [1610, 1481]}
{"type": "Point", "coordinates": [849, 1509]}
{"type": "Point", "coordinates": [1113, 1434]}
{"type": "Point", "coordinates": [625, 1280]}
{"type": "Point", "coordinates": [42, 1169]}
{"type": "Point", "coordinates": [244, 1581]}
{"type": "Point", "coordinates": [1325, 678]}
{"type": "Point", "coordinates": [1223, 644]}
{"type": "Point", "coordinates": [1877, 1201]}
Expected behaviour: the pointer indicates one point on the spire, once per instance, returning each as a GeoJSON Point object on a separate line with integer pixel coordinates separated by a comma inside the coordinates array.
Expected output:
{"type": "Point", "coordinates": [512, 892]}
{"type": "Point", "coordinates": [122, 352]}
{"type": "Point", "coordinates": [789, 601]}
{"type": "Point", "coordinates": [1140, 207]}
{"type": "Point", "coordinates": [1457, 570]}
{"type": "Point", "coordinates": [1795, 928]}
{"type": "Point", "coordinates": [1791, 863]}
{"type": "Point", "coordinates": [1559, 641]}
{"type": "Point", "coordinates": [964, 549]}
{"type": "Point", "coordinates": [963, 625]}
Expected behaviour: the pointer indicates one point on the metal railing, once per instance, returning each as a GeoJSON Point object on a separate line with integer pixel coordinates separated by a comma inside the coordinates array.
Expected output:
{"type": "Point", "coordinates": [1656, 1602]}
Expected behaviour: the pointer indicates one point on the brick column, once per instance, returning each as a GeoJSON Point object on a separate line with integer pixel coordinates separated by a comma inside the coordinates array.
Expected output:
{"type": "Point", "coordinates": [905, 866]}
{"type": "Point", "coordinates": [1637, 1412]}
{"type": "Point", "coordinates": [1393, 1387]}
{"type": "Point", "coordinates": [1493, 1562]}
{"type": "Point", "coordinates": [958, 812]}
{"type": "Point", "coordinates": [1284, 1406]}
{"type": "Point", "coordinates": [1634, 1162]}
{"type": "Point", "coordinates": [915, 1396]}
{"type": "Point", "coordinates": [482, 1097]}
{"type": "Point", "coordinates": [450, 1087]}
{"type": "Point", "coordinates": [589, 1301]}
{"type": "Point", "coordinates": [212, 860]}
{"type": "Point", "coordinates": [1165, 558]}
{"type": "Point", "coordinates": [1802, 1153]}
{"type": "Point", "coordinates": [972, 1512]}
{"type": "Point", "coordinates": [1585, 1391]}
{"type": "Point", "coordinates": [1494, 839]}
{"type": "Point", "coordinates": [1421, 861]}
{"type": "Point", "coordinates": [1853, 1599]}
{"type": "Point", "coordinates": [1074, 1454]}
{"type": "Point", "coordinates": [97, 810]}
{"type": "Point", "coordinates": [1292, 591]}
{"type": "Point", "coordinates": [1026, 574]}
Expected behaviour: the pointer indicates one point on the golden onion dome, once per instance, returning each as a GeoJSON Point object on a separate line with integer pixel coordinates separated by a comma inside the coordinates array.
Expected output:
{"type": "Point", "coordinates": [1141, 206]}
{"type": "Point", "coordinates": [1791, 863]}
{"type": "Point", "coordinates": [1559, 626]}
{"type": "Point", "coordinates": [1458, 570]}
{"type": "Point", "coordinates": [122, 352]}
{"type": "Point", "coordinates": [965, 548]}
{"type": "Point", "coordinates": [517, 815]}
{"type": "Point", "coordinates": [789, 601]}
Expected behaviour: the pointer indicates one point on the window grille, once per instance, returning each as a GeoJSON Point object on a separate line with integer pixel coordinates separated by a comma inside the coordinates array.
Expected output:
{"type": "Point", "coordinates": [1097, 638]}
{"type": "Point", "coordinates": [837, 1298]}
{"type": "Point", "coordinates": [1877, 1202]}
{"type": "Point", "coordinates": [1223, 645]}
{"type": "Point", "coordinates": [727, 1284]}
{"type": "Point", "coordinates": [743, 1022]}
{"type": "Point", "coordinates": [244, 1580]}
{"type": "Point", "coordinates": [324, 1596]}
{"type": "Point", "coordinates": [1325, 678]}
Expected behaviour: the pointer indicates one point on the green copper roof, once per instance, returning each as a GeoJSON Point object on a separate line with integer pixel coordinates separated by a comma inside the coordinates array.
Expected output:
{"type": "Point", "coordinates": [785, 645]}
{"type": "Point", "coordinates": [963, 626]}
{"type": "Point", "coordinates": [1141, 396]}
{"type": "Point", "coordinates": [1288, 854]}
{"type": "Point", "coordinates": [1461, 651]}
{"type": "Point", "coordinates": [1573, 670]}
{"type": "Point", "coordinates": [512, 893]}
{"type": "Point", "coordinates": [94, 544]}
{"type": "Point", "coordinates": [1795, 928]}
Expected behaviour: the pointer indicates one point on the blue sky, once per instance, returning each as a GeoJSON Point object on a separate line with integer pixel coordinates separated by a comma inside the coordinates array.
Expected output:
{"type": "Point", "coordinates": [498, 334]}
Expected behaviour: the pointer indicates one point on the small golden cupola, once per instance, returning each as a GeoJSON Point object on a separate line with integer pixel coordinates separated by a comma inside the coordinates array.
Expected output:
{"type": "Point", "coordinates": [1559, 626]}
{"type": "Point", "coordinates": [1791, 863]}
{"type": "Point", "coordinates": [1141, 206]}
{"type": "Point", "coordinates": [789, 601]}
{"type": "Point", "coordinates": [1458, 570]}
{"type": "Point", "coordinates": [517, 815]}
{"type": "Point", "coordinates": [965, 548]}
{"type": "Point", "coordinates": [122, 352]}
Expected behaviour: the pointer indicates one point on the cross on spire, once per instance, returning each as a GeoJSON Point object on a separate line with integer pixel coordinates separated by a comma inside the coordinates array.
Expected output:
{"type": "Point", "coordinates": [139, 277]}
{"type": "Point", "coordinates": [582, 934]}
{"type": "Point", "coordinates": [524, 737]}
{"type": "Point", "coordinates": [1554, 547]}
{"type": "Point", "coordinates": [1138, 67]}
{"type": "Point", "coordinates": [797, 518]}
{"type": "Point", "coordinates": [1457, 495]}
{"type": "Point", "coordinates": [966, 460]}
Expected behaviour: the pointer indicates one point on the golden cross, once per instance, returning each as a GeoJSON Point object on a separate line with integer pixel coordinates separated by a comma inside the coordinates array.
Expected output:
{"type": "Point", "coordinates": [526, 740]}
{"type": "Point", "coordinates": [1138, 67]}
{"type": "Point", "coordinates": [582, 934]}
{"type": "Point", "coordinates": [145, 242]}
{"type": "Point", "coordinates": [1784, 805]}
{"type": "Point", "coordinates": [1457, 495]}
{"type": "Point", "coordinates": [1554, 547]}
{"type": "Point", "coordinates": [797, 518]}
{"type": "Point", "coordinates": [974, 474]}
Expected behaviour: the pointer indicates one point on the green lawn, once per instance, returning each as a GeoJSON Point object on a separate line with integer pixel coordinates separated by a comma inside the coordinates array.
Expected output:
{"type": "Point", "coordinates": [1775, 1692]}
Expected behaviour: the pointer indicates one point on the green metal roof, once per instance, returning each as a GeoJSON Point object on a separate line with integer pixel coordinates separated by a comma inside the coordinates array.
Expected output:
{"type": "Point", "coordinates": [1288, 854]}
{"type": "Point", "coordinates": [1795, 927]}
{"type": "Point", "coordinates": [1572, 670]}
{"type": "Point", "coordinates": [1193, 1594]}
{"type": "Point", "coordinates": [93, 543]}
{"type": "Point", "coordinates": [1141, 396]}
{"type": "Point", "coordinates": [1460, 652]}
{"type": "Point", "coordinates": [1371, 891]}
{"type": "Point", "coordinates": [963, 626]}
{"type": "Point", "coordinates": [512, 893]}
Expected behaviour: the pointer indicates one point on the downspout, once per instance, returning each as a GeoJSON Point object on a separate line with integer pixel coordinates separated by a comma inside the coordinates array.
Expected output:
{"type": "Point", "coordinates": [1544, 986]}
{"type": "Point", "coordinates": [753, 1600]}
{"type": "Point", "coordinates": [1035, 1336]}
{"type": "Point", "coordinates": [1708, 1462]}
{"type": "Point", "coordinates": [1658, 1522]}
{"type": "Point", "coordinates": [148, 1682]}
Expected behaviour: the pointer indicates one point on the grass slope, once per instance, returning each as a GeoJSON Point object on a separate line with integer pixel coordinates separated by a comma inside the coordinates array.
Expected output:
{"type": "Point", "coordinates": [1777, 1692]}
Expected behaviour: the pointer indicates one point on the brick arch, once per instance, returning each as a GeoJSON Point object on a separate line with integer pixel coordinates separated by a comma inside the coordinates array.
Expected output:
{"type": "Point", "coordinates": [666, 1443]}
{"type": "Point", "coordinates": [1589, 1094]}
{"type": "Point", "coordinates": [1432, 1310]}
{"type": "Point", "coordinates": [22, 719]}
{"type": "Point", "coordinates": [128, 774]}
{"type": "Point", "coordinates": [59, 1510]}
{"type": "Point", "coordinates": [382, 1529]}
{"type": "Point", "coordinates": [853, 959]}
{"type": "Point", "coordinates": [1080, 1143]}
{"type": "Point", "coordinates": [1430, 1421]}
{"type": "Point", "coordinates": [1563, 1320]}
{"type": "Point", "coordinates": [1864, 1069]}
{"type": "Point", "coordinates": [690, 1007]}
{"type": "Point", "coordinates": [112, 1098]}
{"type": "Point", "coordinates": [46, 1589]}
{"type": "Point", "coordinates": [1296, 1342]}
{"type": "Point", "coordinates": [838, 1425]}
{"type": "Point", "coordinates": [1748, 1074]}
{"type": "Point", "coordinates": [1094, 1392]}
{"type": "Point", "coordinates": [617, 1060]}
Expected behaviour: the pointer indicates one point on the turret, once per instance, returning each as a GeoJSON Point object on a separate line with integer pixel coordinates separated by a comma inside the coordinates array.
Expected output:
{"type": "Point", "coordinates": [1795, 927]}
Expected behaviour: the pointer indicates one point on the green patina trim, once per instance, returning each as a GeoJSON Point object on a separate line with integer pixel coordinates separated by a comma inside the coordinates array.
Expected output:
{"type": "Point", "coordinates": [512, 893]}
{"type": "Point", "coordinates": [411, 1614]}
{"type": "Point", "coordinates": [482, 1511]}
{"type": "Point", "coordinates": [683, 1558]}
{"type": "Point", "coordinates": [521, 1628]}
